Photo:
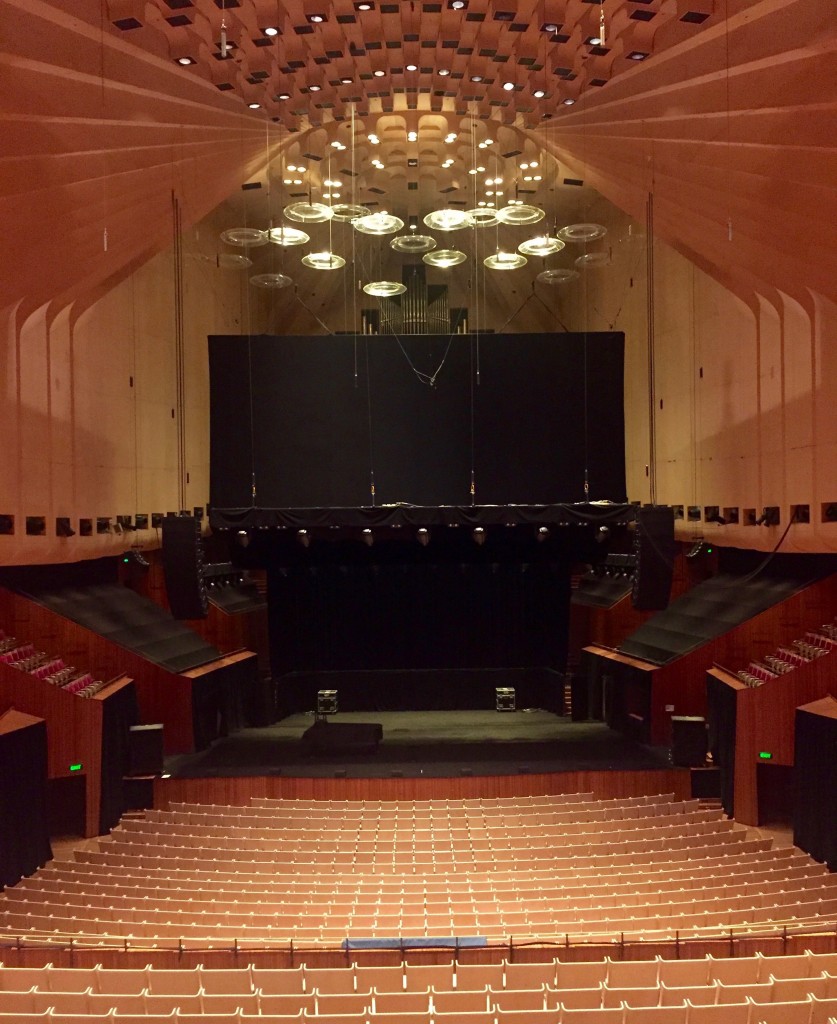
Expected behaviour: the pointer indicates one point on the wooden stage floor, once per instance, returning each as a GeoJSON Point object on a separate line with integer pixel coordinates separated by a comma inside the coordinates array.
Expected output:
{"type": "Point", "coordinates": [425, 743]}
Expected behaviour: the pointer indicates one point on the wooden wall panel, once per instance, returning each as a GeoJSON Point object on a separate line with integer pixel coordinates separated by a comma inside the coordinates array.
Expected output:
{"type": "Point", "coordinates": [603, 784]}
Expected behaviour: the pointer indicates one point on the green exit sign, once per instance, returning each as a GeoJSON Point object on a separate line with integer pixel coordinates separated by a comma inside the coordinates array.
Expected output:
{"type": "Point", "coordinates": [765, 755]}
{"type": "Point", "coordinates": [76, 767]}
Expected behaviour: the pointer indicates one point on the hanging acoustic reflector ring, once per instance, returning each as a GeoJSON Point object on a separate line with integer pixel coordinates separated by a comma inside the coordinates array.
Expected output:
{"type": "Point", "coordinates": [520, 214]}
{"type": "Point", "coordinates": [543, 245]}
{"type": "Point", "coordinates": [413, 244]}
{"type": "Point", "coordinates": [323, 261]}
{"type": "Point", "coordinates": [444, 258]}
{"type": "Point", "coordinates": [349, 211]}
{"type": "Point", "coordinates": [593, 259]}
{"type": "Point", "coordinates": [308, 213]}
{"type": "Point", "coordinates": [482, 217]}
{"type": "Point", "coordinates": [505, 261]}
{"type": "Point", "coordinates": [384, 289]}
{"type": "Point", "coordinates": [287, 236]}
{"type": "Point", "coordinates": [582, 232]}
{"type": "Point", "coordinates": [244, 238]}
{"type": "Point", "coordinates": [447, 220]}
{"type": "Point", "coordinates": [231, 260]}
{"type": "Point", "coordinates": [559, 275]}
{"type": "Point", "coordinates": [271, 280]}
{"type": "Point", "coordinates": [378, 224]}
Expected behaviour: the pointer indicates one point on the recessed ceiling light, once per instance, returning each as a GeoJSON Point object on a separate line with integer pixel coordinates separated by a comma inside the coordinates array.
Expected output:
{"type": "Point", "coordinates": [458, 5]}
{"type": "Point", "coordinates": [539, 94]}
{"type": "Point", "coordinates": [637, 55]}
{"type": "Point", "coordinates": [186, 60]}
{"type": "Point", "coordinates": [412, 67]}
{"type": "Point", "coordinates": [508, 86]}
{"type": "Point", "coordinates": [444, 71]}
{"type": "Point", "coordinates": [476, 78]}
{"type": "Point", "coordinates": [253, 106]}
{"type": "Point", "coordinates": [379, 73]}
{"type": "Point", "coordinates": [316, 19]}
{"type": "Point", "coordinates": [568, 102]}
{"type": "Point", "coordinates": [283, 96]}
{"type": "Point", "coordinates": [271, 30]}
{"type": "Point", "coordinates": [346, 81]}
{"type": "Point", "coordinates": [365, 5]}
{"type": "Point", "coordinates": [550, 26]}
{"type": "Point", "coordinates": [314, 88]}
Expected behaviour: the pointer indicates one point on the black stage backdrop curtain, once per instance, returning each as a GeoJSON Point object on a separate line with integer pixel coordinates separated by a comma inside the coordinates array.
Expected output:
{"type": "Point", "coordinates": [721, 712]}
{"type": "Point", "coordinates": [314, 422]}
{"type": "Point", "coordinates": [24, 828]}
{"type": "Point", "coordinates": [815, 810]}
{"type": "Point", "coordinates": [119, 713]}
{"type": "Point", "coordinates": [416, 613]}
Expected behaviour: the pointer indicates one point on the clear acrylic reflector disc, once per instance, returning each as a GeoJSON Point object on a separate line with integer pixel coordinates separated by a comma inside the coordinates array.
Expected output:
{"type": "Point", "coordinates": [559, 275]}
{"type": "Point", "coordinates": [444, 258]}
{"type": "Point", "coordinates": [520, 215]}
{"type": "Point", "coordinates": [287, 236]}
{"type": "Point", "coordinates": [323, 261]}
{"type": "Point", "coordinates": [505, 261]}
{"type": "Point", "coordinates": [593, 259]}
{"type": "Point", "coordinates": [384, 289]}
{"type": "Point", "coordinates": [447, 220]}
{"type": "Point", "coordinates": [378, 224]}
{"type": "Point", "coordinates": [482, 217]}
{"type": "Point", "coordinates": [271, 280]}
{"type": "Point", "coordinates": [582, 232]}
{"type": "Point", "coordinates": [308, 213]}
{"type": "Point", "coordinates": [543, 245]}
{"type": "Point", "coordinates": [413, 243]}
{"type": "Point", "coordinates": [231, 260]}
{"type": "Point", "coordinates": [349, 211]}
{"type": "Point", "coordinates": [245, 238]}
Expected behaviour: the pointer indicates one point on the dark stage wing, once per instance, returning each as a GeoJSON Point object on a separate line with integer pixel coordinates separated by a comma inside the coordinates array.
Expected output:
{"type": "Point", "coordinates": [311, 422]}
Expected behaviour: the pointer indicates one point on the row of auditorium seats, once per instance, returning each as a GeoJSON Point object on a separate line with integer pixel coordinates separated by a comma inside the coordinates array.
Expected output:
{"type": "Point", "coordinates": [654, 867]}
{"type": "Point", "coordinates": [815, 644]}
{"type": "Point", "coordinates": [755, 990]}
{"type": "Point", "coordinates": [53, 670]}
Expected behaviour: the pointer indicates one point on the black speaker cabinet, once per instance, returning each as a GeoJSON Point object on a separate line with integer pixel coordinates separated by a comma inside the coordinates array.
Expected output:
{"type": "Point", "coordinates": [183, 567]}
{"type": "Point", "coordinates": [688, 741]}
{"type": "Point", "coordinates": [655, 551]}
{"type": "Point", "coordinates": [145, 750]}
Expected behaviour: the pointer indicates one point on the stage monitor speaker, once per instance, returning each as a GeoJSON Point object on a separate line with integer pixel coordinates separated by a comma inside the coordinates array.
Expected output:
{"type": "Point", "coordinates": [183, 567]}
{"type": "Point", "coordinates": [655, 551]}
{"type": "Point", "coordinates": [145, 750]}
{"type": "Point", "coordinates": [688, 741]}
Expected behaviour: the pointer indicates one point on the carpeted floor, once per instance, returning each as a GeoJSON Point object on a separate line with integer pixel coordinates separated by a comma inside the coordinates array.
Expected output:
{"type": "Point", "coordinates": [437, 743]}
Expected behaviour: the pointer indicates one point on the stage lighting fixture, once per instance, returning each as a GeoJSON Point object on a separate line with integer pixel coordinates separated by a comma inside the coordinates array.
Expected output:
{"type": "Point", "coordinates": [243, 538]}
{"type": "Point", "coordinates": [479, 535]}
{"type": "Point", "coordinates": [368, 537]}
{"type": "Point", "coordinates": [423, 536]}
{"type": "Point", "coordinates": [603, 535]}
{"type": "Point", "coordinates": [304, 537]}
{"type": "Point", "coordinates": [63, 527]}
{"type": "Point", "coordinates": [543, 533]}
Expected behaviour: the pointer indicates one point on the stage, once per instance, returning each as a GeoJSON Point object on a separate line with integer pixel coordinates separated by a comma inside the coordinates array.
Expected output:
{"type": "Point", "coordinates": [425, 744]}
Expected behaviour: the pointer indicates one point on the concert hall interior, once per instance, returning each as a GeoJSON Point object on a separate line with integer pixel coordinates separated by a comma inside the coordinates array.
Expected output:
{"type": "Point", "coordinates": [418, 518]}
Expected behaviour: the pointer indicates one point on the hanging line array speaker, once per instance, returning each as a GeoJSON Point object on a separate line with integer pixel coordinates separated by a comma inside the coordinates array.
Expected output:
{"type": "Point", "coordinates": [655, 550]}
{"type": "Point", "coordinates": [183, 567]}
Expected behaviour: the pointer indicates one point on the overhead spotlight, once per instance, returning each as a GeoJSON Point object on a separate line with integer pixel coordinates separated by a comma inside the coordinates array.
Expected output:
{"type": "Point", "coordinates": [539, 94]}
{"type": "Point", "coordinates": [314, 88]}
{"type": "Point", "coordinates": [423, 536]}
{"type": "Point", "coordinates": [476, 78]}
{"type": "Point", "coordinates": [185, 61]}
{"type": "Point", "coordinates": [568, 102]}
{"type": "Point", "coordinates": [458, 5]}
{"type": "Point", "coordinates": [412, 67]}
{"type": "Point", "coordinates": [379, 73]}
{"type": "Point", "coordinates": [479, 535]}
{"type": "Point", "coordinates": [444, 72]}
{"type": "Point", "coordinates": [549, 26]}
{"type": "Point", "coordinates": [508, 86]}
{"type": "Point", "coordinates": [316, 19]}
{"type": "Point", "coordinates": [304, 537]}
{"type": "Point", "coordinates": [365, 5]}
{"type": "Point", "coordinates": [254, 106]}
{"type": "Point", "coordinates": [243, 538]}
{"type": "Point", "coordinates": [271, 30]}
{"type": "Point", "coordinates": [602, 534]}
{"type": "Point", "coordinates": [368, 537]}
{"type": "Point", "coordinates": [543, 533]}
